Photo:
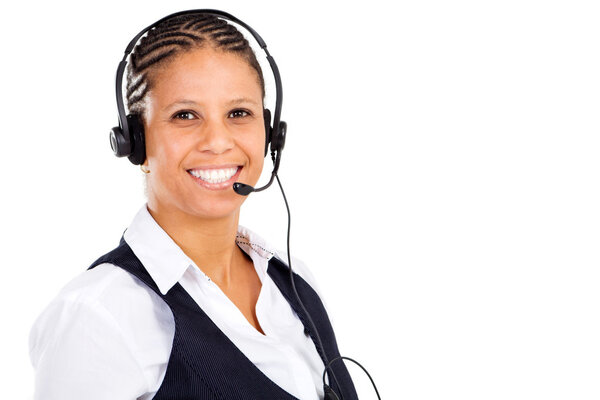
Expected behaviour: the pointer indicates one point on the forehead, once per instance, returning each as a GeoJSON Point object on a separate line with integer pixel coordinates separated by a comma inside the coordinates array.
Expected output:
{"type": "Point", "coordinates": [205, 73]}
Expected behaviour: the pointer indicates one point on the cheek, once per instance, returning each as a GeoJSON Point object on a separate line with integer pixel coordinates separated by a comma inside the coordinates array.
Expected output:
{"type": "Point", "coordinates": [261, 162]}
{"type": "Point", "coordinates": [165, 150]}
{"type": "Point", "coordinates": [258, 151]}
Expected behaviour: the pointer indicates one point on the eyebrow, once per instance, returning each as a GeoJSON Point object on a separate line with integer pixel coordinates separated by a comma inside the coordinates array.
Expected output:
{"type": "Point", "coordinates": [241, 100]}
{"type": "Point", "coordinates": [234, 102]}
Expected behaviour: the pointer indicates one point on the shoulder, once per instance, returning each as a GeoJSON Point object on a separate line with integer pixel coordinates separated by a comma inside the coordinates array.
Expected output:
{"type": "Point", "coordinates": [97, 329]}
{"type": "Point", "coordinates": [109, 290]}
{"type": "Point", "coordinates": [301, 269]}
{"type": "Point", "coordinates": [252, 241]}
{"type": "Point", "coordinates": [298, 267]}
{"type": "Point", "coordinates": [98, 284]}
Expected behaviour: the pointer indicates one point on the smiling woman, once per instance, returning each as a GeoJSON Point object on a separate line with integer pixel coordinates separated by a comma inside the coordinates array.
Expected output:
{"type": "Point", "coordinates": [190, 304]}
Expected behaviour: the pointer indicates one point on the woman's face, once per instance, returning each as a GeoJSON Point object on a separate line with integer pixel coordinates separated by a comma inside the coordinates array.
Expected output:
{"type": "Point", "coordinates": [204, 131]}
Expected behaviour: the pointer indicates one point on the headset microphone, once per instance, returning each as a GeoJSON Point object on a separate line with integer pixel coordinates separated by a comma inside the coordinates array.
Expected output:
{"type": "Point", "coordinates": [244, 190]}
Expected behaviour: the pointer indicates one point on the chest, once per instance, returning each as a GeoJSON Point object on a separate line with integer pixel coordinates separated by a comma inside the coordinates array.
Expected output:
{"type": "Point", "coordinates": [244, 295]}
{"type": "Point", "coordinates": [289, 356]}
{"type": "Point", "coordinates": [205, 363]}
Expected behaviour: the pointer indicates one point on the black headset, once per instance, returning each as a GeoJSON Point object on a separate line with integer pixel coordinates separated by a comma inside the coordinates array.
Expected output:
{"type": "Point", "coordinates": [127, 140]}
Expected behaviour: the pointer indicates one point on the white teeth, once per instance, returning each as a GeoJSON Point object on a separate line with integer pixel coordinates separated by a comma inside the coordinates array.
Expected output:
{"type": "Point", "coordinates": [214, 175]}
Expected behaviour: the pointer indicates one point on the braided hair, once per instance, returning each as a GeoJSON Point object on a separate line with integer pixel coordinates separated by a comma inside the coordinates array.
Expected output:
{"type": "Point", "coordinates": [177, 35]}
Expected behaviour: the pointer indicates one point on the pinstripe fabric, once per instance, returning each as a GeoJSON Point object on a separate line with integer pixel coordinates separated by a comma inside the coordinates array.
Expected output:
{"type": "Point", "coordinates": [204, 363]}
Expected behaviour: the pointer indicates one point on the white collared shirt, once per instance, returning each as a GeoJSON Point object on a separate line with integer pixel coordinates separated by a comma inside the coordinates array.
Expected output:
{"type": "Point", "coordinates": [108, 336]}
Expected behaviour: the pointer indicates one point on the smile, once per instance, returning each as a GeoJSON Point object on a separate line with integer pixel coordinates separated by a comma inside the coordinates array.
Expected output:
{"type": "Point", "coordinates": [215, 178]}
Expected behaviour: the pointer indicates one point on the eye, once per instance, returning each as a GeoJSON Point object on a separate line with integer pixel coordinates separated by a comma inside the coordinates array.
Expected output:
{"type": "Point", "coordinates": [239, 113]}
{"type": "Point", "coordinates": [184, 115]}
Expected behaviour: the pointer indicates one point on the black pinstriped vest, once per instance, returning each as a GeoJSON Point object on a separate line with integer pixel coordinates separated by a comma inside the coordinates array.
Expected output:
{"type": "Point", "coordinates": [204, 362]}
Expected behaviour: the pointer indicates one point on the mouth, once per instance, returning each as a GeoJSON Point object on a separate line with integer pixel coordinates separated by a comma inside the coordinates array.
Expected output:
{"type": "Point", "coordinates": [215, 178]}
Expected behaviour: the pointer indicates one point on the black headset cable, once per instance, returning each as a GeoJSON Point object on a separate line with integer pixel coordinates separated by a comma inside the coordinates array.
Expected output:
{"type": "Point", "coordinates": [316, 332]}
{"type": "Point", "coordinates": [333, 396]}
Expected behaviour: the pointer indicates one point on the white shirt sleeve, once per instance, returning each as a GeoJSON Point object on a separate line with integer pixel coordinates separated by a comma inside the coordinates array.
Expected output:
{"type": "Point", "coordinates": [74, 346]}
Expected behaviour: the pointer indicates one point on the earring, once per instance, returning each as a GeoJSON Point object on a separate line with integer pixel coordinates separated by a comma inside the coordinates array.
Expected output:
{"type": "Point", "coordinates": [144, 170]}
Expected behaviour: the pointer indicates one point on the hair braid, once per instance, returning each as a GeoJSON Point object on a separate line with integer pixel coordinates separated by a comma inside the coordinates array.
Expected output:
{"type": "Point", "coordinates": [175, 36]}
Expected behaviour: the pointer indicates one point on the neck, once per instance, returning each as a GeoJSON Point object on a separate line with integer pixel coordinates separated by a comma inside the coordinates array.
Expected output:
{"type": "Point", "coordinates": [210, 243]}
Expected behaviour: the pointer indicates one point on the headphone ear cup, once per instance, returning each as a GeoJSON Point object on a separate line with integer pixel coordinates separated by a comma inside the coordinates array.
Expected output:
{"type": "Point", "coordinates": [118, 143]}
{"type": "Point", "coordinates": [268, 130]}
{"type": "Point", "coordinates": [278, 141]}
{"type": "Point", "coordinates": [138, 139]}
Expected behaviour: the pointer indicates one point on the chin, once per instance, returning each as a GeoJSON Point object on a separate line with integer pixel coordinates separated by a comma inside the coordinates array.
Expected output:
{"type": "Point", "coordinates": [217, 208]}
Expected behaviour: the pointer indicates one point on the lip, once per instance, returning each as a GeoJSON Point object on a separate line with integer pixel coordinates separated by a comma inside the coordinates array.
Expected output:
{"type": "Point", "coordinates": [228, 184]}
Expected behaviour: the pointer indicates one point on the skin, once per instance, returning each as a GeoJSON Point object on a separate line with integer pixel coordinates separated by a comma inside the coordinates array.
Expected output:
{"type": "Point", "coordinates": [205, 110]}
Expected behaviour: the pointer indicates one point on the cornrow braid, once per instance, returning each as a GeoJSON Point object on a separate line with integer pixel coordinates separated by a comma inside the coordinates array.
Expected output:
{"type": "Point", "coordinates": [175, 36]}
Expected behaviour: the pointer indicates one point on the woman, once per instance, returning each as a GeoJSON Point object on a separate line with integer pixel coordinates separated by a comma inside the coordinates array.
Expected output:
{"type": "Point", "coordinates": [190, 305]}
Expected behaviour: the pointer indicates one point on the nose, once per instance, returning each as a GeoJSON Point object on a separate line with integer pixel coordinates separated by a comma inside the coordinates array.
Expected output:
{"type": "Point", "coordinates": [216, 137]}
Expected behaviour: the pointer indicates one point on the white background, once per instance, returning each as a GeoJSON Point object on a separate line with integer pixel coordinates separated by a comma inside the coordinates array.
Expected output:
{"type": "Point", "coordinates": [442, 166]}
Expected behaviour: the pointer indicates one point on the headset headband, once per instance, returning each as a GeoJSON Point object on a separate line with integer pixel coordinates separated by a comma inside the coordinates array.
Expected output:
{"type": "Point", "coordinates": [123, 123]}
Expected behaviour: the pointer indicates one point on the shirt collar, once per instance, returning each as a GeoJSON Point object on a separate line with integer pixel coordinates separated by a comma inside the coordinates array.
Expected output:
{"type": "Point", "coordinates": [166, 262]}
